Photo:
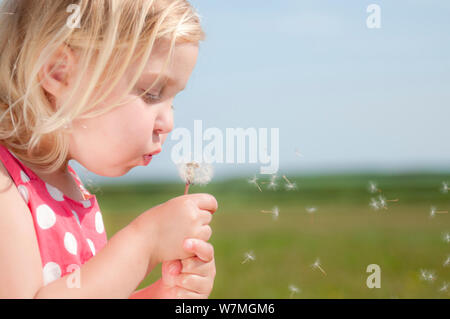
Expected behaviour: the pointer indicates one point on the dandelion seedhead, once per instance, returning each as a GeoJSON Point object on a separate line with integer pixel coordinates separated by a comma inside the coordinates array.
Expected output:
{"type": "Point", "coordinates": [444, 287]}
{"type": "Point", "coordinates": [311, 210]}
{"type": "Point", "coordinates": [195, 173]}
{"type": "Point", "coordinates": [275, 212]}
{"type": "Point", "coordinates": [427, 275]}
{"type": "Point", "coordinates": [294, 290]}
{"type": "Point", "coordinates": [444, 188]}
{"type": "Point", "coordinates": [248, 256]}
{"type": "Point", "coordinates": [317, 265]}
{"type": "Point", "coordinates": [254, 180]}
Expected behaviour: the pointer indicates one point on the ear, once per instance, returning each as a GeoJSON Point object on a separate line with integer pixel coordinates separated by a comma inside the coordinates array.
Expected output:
{"type": "Point", "coordinates": [56, 73]}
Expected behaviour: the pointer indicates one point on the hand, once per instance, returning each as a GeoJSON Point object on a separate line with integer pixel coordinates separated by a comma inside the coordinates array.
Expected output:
{"type": "Point", "coordinates": [190, 278]}
{"type": "Point", "coordinates": [164, 228]}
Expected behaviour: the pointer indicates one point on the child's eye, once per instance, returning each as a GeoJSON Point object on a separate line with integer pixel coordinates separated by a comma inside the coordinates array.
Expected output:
{"type": "Point", "coordinates": [151, 98]}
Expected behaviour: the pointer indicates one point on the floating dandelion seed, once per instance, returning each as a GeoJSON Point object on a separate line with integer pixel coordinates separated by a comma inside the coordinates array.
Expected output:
{"type": "Point", "coordinates": [297, 152]}
{"type": "Point", "coordinates": [373, 187]}
{"type": "Point", "coordinates": [195, 173]}
{"type": "Point", "coordinates": [447, 262]}
{"type": "Point", "coordinates": [275, 212]}
{"type": "Point", "coordinates": [374, 204]}
{"type": "Point", "coordinates": [444, 287]}
{"type": "Point", "coordinates": [444, 188]}
{"type": "Point", "coordinates": [248, 256]}
{"type": "Point", "coordinates": [311, 211]}
{"type": "Point", "coordinates": [272, 184]}
{"type": "Point", "coordinates": [382, 201]}
{"type": "Point", "coordinates": [289, 186]}
{"type": "Point", "coordinates": [434, 211]}
{"type": "Point", "coordinates": [254, 180]}
{"type": "Point", "coordinates": [427, 275]}
{"type": "Point", "coordinates": [294, 290]}
{"type": "Point", "coordinates": [446, 237]}
{"type": "Point", "coordinates": [318, 266]}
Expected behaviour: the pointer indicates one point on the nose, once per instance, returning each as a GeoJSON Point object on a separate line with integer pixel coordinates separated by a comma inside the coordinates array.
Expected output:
{"type": "Point", "coordinates": [164, 120]}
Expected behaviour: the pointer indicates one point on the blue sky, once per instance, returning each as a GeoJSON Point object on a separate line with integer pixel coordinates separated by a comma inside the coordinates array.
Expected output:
{"type": "Point", "coordinates": [347, 97]}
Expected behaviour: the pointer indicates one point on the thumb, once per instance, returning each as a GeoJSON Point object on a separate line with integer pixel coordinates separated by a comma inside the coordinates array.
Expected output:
{"type": "Point", "coordinates": [169, 270]}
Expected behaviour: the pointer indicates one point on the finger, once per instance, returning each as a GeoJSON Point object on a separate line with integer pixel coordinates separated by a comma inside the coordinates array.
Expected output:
{"type": "Point", "coordinates": [194, 283]}
{"type": "Point", "coordinates": [204, 233]}
{"type": "Point", "coordinates": [203, 250]}
{"type": "Point", "coordinates": [195, 265]}
{"type": "Point", "coordinates": [187, 294]}
{"type": "Point", "coordinates": [205, 201]}
{"type": "Point", "coordinates": [205, 217]}
{"type": "Point", "coordinates": [169, 271]}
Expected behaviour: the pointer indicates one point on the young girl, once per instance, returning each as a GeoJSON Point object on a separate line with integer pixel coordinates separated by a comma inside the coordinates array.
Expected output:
{"type": "Point", "coordinates": [94, 81]}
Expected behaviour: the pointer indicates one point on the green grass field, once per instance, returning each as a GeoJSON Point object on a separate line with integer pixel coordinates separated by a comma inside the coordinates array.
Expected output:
{"type": "Point", "coordinates": [344, 233]}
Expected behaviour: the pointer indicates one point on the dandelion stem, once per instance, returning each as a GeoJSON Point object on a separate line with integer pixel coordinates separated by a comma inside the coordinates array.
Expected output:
{"type": "Point", "coordinates": [285, 178]}
{"type": "Point", "coordinates": [258, 186]}
{"type": "Point", "coordinates": [323, 271]}
{"type": "Point", "coordinates": [186, 188]}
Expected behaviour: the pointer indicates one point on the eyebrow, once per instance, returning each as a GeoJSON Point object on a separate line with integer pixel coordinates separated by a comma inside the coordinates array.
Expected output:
{"type": "Point", "coordinates": [151, 77]}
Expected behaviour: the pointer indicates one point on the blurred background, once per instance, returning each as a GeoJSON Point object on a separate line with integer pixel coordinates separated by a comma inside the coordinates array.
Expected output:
{"type": "Point", "coordinates": [362, 113]}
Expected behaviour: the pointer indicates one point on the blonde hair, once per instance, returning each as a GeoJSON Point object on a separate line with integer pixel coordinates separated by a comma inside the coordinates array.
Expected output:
{"type": "Point", "coordinates": [112, 34]}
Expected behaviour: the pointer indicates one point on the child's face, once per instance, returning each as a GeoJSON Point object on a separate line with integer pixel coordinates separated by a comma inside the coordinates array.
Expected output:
{"type": "Point", "coordinates": [113, 143]}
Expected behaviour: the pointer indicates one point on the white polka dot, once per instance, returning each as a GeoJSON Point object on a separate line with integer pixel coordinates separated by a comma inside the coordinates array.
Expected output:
{"type": "Point", "coordinates": [91, 246]}
{"type": "Point", "coordinates": [24, 177]}
{"type": "Point", "coordinates": [86, 203]}
{"type": "Point", "coordinates": [70, 243]}
{"type": "Point", "coordinates": [45, 216]}
{"type": "Point", "coordinates": [99, 223]}
{"type": "Point", "coordinates": [51, 272]}
{"type": "Point", "coordinates": [76, 216]}
{"type": "Point", "coordinates": [55, 193]}
{"type": "Point", "coordinates": [24, 192]}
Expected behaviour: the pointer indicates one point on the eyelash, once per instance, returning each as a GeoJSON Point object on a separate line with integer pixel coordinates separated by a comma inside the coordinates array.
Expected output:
{"type": "Point", "coordinates": [151, 98]}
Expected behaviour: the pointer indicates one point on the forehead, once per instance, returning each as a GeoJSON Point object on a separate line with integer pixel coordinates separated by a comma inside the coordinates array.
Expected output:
{"type": "Point", "coordinates": [180, 64]}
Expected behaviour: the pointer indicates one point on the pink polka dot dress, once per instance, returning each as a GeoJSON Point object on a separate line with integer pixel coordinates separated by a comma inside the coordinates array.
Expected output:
{"type": "Point", "coordinates": [69, 232]}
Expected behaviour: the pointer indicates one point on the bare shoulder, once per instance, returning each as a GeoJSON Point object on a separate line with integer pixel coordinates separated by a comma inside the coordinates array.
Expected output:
{"type": "Point", "coordinates": [20, 261]}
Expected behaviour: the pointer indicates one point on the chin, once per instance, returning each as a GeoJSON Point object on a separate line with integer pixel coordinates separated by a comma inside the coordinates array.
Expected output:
{"type": "Point", "coordinates": [114, 172]}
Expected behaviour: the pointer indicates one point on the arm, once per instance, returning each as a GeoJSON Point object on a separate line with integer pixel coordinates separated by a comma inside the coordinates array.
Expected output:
{"type": "Point", "coordinates": [154, 291]}
{"type": "Point", "coordinates": [114, 272]}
